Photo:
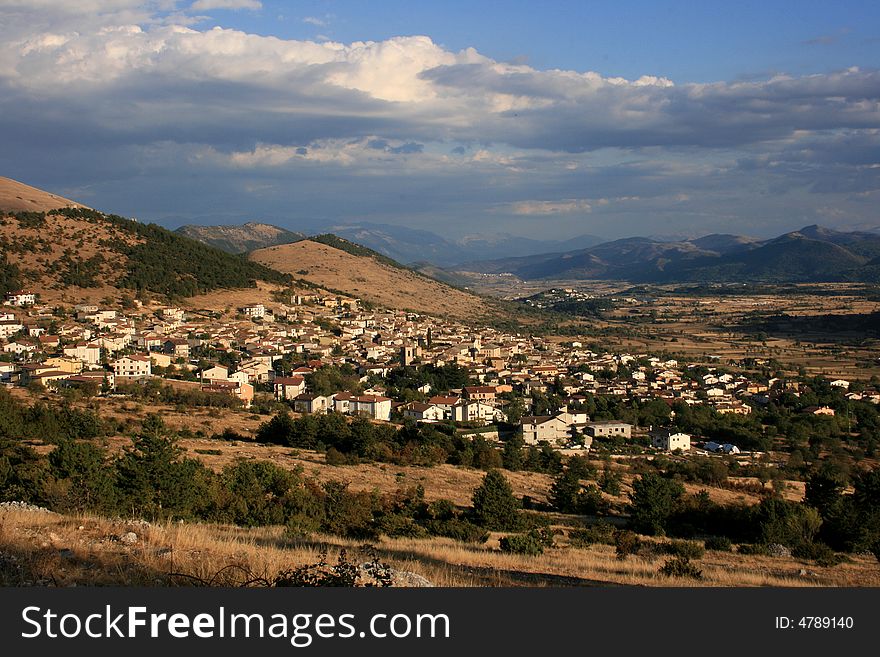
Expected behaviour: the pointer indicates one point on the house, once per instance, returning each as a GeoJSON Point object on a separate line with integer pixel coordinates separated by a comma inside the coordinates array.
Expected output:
{"type": "Point", "coordinates": [176, 347]}
{"type": "Point", "coordinates": [242, 391]}
{"type": "Point", "coordinates": [476, 411]}
{"type": "Point", "coordinates": [216, 373]}
{"type": "Point", "coordinates": [445, 402]}
{"type": "Point", "coordinates": [375, 407]}
{"type": "Point", "coordinates": [311, 403]}
{"type": "Point", "coordinates": [482, 393]}
{"type": "Point", "coordinates": [840, 383]}
{"type": "Point", "coordinates": [289, 387]}
{"type": "Point", "coordinates": [423, 412]}
{"type": "Point", "coordinates": [132, 366]}
{"type": "Point", "coordinates": [21, 298]}
{"type": "Point", "coordinates": [818, 410]}
{"type": "Point", "coordinates": [544, 428]}
{"type": "Point", "coordinates": [254, 311]}
{"type": "Point", "coordinates": [9, 328]}
{"type": "Point", "coordinates": [89, 354]}
{"type": "Point", "coordinates": [670, 440]}
{"type": "Point", "coordinates": [608, 429]}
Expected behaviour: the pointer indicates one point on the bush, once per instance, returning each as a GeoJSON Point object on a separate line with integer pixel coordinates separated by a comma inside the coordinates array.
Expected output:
{"type": "Point", "coordinates": [531, 544]}
{"type": "Point", "coordinates": [752, 549]}
{"type": "Point", "coordinates": [602, 532]}
{"type": "Point", "coordinates": [684, 549]}
{"type": "Point", "coordinates": [680, 567]}
{"type": "Point", "coordinates": [818, 552]}
{"type": "Point", "coordinates": [719, 543]}
{"type": "Point", "coordinates": [626, 543]}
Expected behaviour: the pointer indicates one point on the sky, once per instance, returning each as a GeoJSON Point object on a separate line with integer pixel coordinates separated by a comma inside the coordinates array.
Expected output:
{"type": "Point", "coordinates": [546, 120]}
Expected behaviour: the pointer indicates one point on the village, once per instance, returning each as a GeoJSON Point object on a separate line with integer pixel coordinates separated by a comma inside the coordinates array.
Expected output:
{"type": "Point", "coordinates": [258, 352]}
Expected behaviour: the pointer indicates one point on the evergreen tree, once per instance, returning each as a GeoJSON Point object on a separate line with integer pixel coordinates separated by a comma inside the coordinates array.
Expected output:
{"type": "Point", "coordinates": [495, 506]}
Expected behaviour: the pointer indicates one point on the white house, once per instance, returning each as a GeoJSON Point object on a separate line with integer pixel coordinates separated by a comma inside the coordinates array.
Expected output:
{"type": "Point", "coordinates": [256, 310]}
{"type": "Point", "coordinates": [476, 411]}
{"type": "Point", "coordinates": [132, 366]}
{"type": "Point", "coordinates": [289, 387]}
{"type": "Point", "coordinates": [90, 354]}
{"type": "Point", "coordinates": [21, 298]}
{"type": "Point", "coordinates": [669, 440]}
{"type": "Point", "coordinates": [423, 412]}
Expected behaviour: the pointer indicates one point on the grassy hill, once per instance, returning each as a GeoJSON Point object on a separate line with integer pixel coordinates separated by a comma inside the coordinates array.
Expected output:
{"type": "Point", "coordinates": [18, 197]}
{"type": "Point", "coordinates": [240, 238]}
{"type": "Point", "coordinates": [334, 263]}
{"type": "Point", "coordinates": [84, 253]}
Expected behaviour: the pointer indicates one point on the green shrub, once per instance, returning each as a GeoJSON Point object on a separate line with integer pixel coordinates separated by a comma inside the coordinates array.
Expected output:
{"type": "Point", "coordinates": [531, 544]}
{"type": "Point", "coordinates": [680, 567]}
{"type": "Point", "coordinates": [602, 532]}
{"type": "Point", "coordinates": [752, 549]}
{"type": "Point", "coordinates": [626, 542]}
{"type": "Point", "coordinates": [818, 552]}
{"type": "Point", "coordinates": [684, 549]}
{"type": "Point", "coordinates": [719, 543]}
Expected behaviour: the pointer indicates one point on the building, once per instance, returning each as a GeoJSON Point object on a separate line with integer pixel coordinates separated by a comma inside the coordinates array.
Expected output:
{"type": "Point", "coordinates": [375, 407]}
{"type": "Point", "coordinates": [423, 412]}
{"type": "Point", "coordinates": [289, 387]}
{"type": "Point", "coordinates": [608, 429]}
{"type": "Point", "coordinates": [475, 411]}
{"type": "Point", "coordinates": [544, 428]}
{"type": "Point", "coordinates": [670, 440]}
{"type": "Point", "coordinates": [132, 366]}
{"type": "Point", "coordinates": [310, 403]}
{"type": "Point", "coordinates": [21, 298]}
{"type": "Point", "coordinates": [254, 311]}
{"type": "Point", "coordinates": [482, 393]}
{"type": "Point", "coordinates": [89, 354]}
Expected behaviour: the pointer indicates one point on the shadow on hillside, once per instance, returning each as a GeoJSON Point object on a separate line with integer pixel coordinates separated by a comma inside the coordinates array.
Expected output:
{"type": "Point", "coordinates": [819, 328]}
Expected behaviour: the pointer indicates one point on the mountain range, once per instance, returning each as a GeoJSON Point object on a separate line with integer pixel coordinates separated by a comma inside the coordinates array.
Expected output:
{"type": "Point", "coordinates": [401, 243]}
{"type": "Point", "coordinates": [811, 254]}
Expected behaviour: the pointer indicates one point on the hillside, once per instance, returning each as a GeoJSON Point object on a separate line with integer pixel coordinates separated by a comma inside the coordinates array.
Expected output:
{"type": "Point", "coordinates": [78, 254]}
{"type": "Point", "coordinates": [360, 272]}
{"type": "Point", "coordinates": [812, 254]}
{"type": "Point", "coordinates": [18, 197]}
{"type": "Point", "coordinates": [240, 238]}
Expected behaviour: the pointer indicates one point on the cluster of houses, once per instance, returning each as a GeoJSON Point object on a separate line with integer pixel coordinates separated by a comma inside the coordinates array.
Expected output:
{"type": "Point", "coordinates": [245, 352]}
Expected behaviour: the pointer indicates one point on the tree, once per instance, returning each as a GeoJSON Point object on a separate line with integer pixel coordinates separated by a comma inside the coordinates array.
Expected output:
{"type": "Point", "coordinates": [155, 480]}
{"type": "Point", "coordinates": [84, 480]}
{"type": "Point", "coordinates": [653, 501]}
{"type": "Point", "coordinates": [495, 506]}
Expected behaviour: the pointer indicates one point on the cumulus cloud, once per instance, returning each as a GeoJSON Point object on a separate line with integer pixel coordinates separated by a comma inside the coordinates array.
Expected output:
{"type": "Point", "coordinates": [207, 5]}
{"type": "Point", "coordinates": [121, 76]}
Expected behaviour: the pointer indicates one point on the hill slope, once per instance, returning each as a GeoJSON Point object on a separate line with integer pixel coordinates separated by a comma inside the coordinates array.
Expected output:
{"type": "Point", "coordinates": [18, 197]}
{"type": "Point", "coordinates": [84, 254]}
{"type": "Point", "coordinates": [240, 238]}
{"type": "Point", "coordinates": [334, 263]}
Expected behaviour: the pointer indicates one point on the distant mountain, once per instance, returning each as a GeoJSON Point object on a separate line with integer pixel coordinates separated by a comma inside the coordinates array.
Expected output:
{"type": "Point", "coordinates": [411, 245]}
{"type": "Point", "coordinates": [811, 254]}
{"type": "Point", "coordinates": [240, 238]}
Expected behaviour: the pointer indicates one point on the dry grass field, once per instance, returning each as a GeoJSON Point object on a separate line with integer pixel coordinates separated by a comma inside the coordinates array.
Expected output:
{"type": "Point", "coordinates": [371, 280]}
{"type": "Point", "coordinates": [39, 548]}
{"type": "Point", "coordinates": [18, 197]}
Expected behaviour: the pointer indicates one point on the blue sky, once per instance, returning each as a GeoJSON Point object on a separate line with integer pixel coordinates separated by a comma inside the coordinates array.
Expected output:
{"type": "Point", "coordinates": [537, 119]}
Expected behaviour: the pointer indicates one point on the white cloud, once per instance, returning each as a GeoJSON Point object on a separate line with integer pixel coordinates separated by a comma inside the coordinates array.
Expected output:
{"type": "Point", "coordinates": [312, 20]}
{"type": "Point", "coordinates": [208, 5]}
{"type": "Point", "coordinates": [566, 206]}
